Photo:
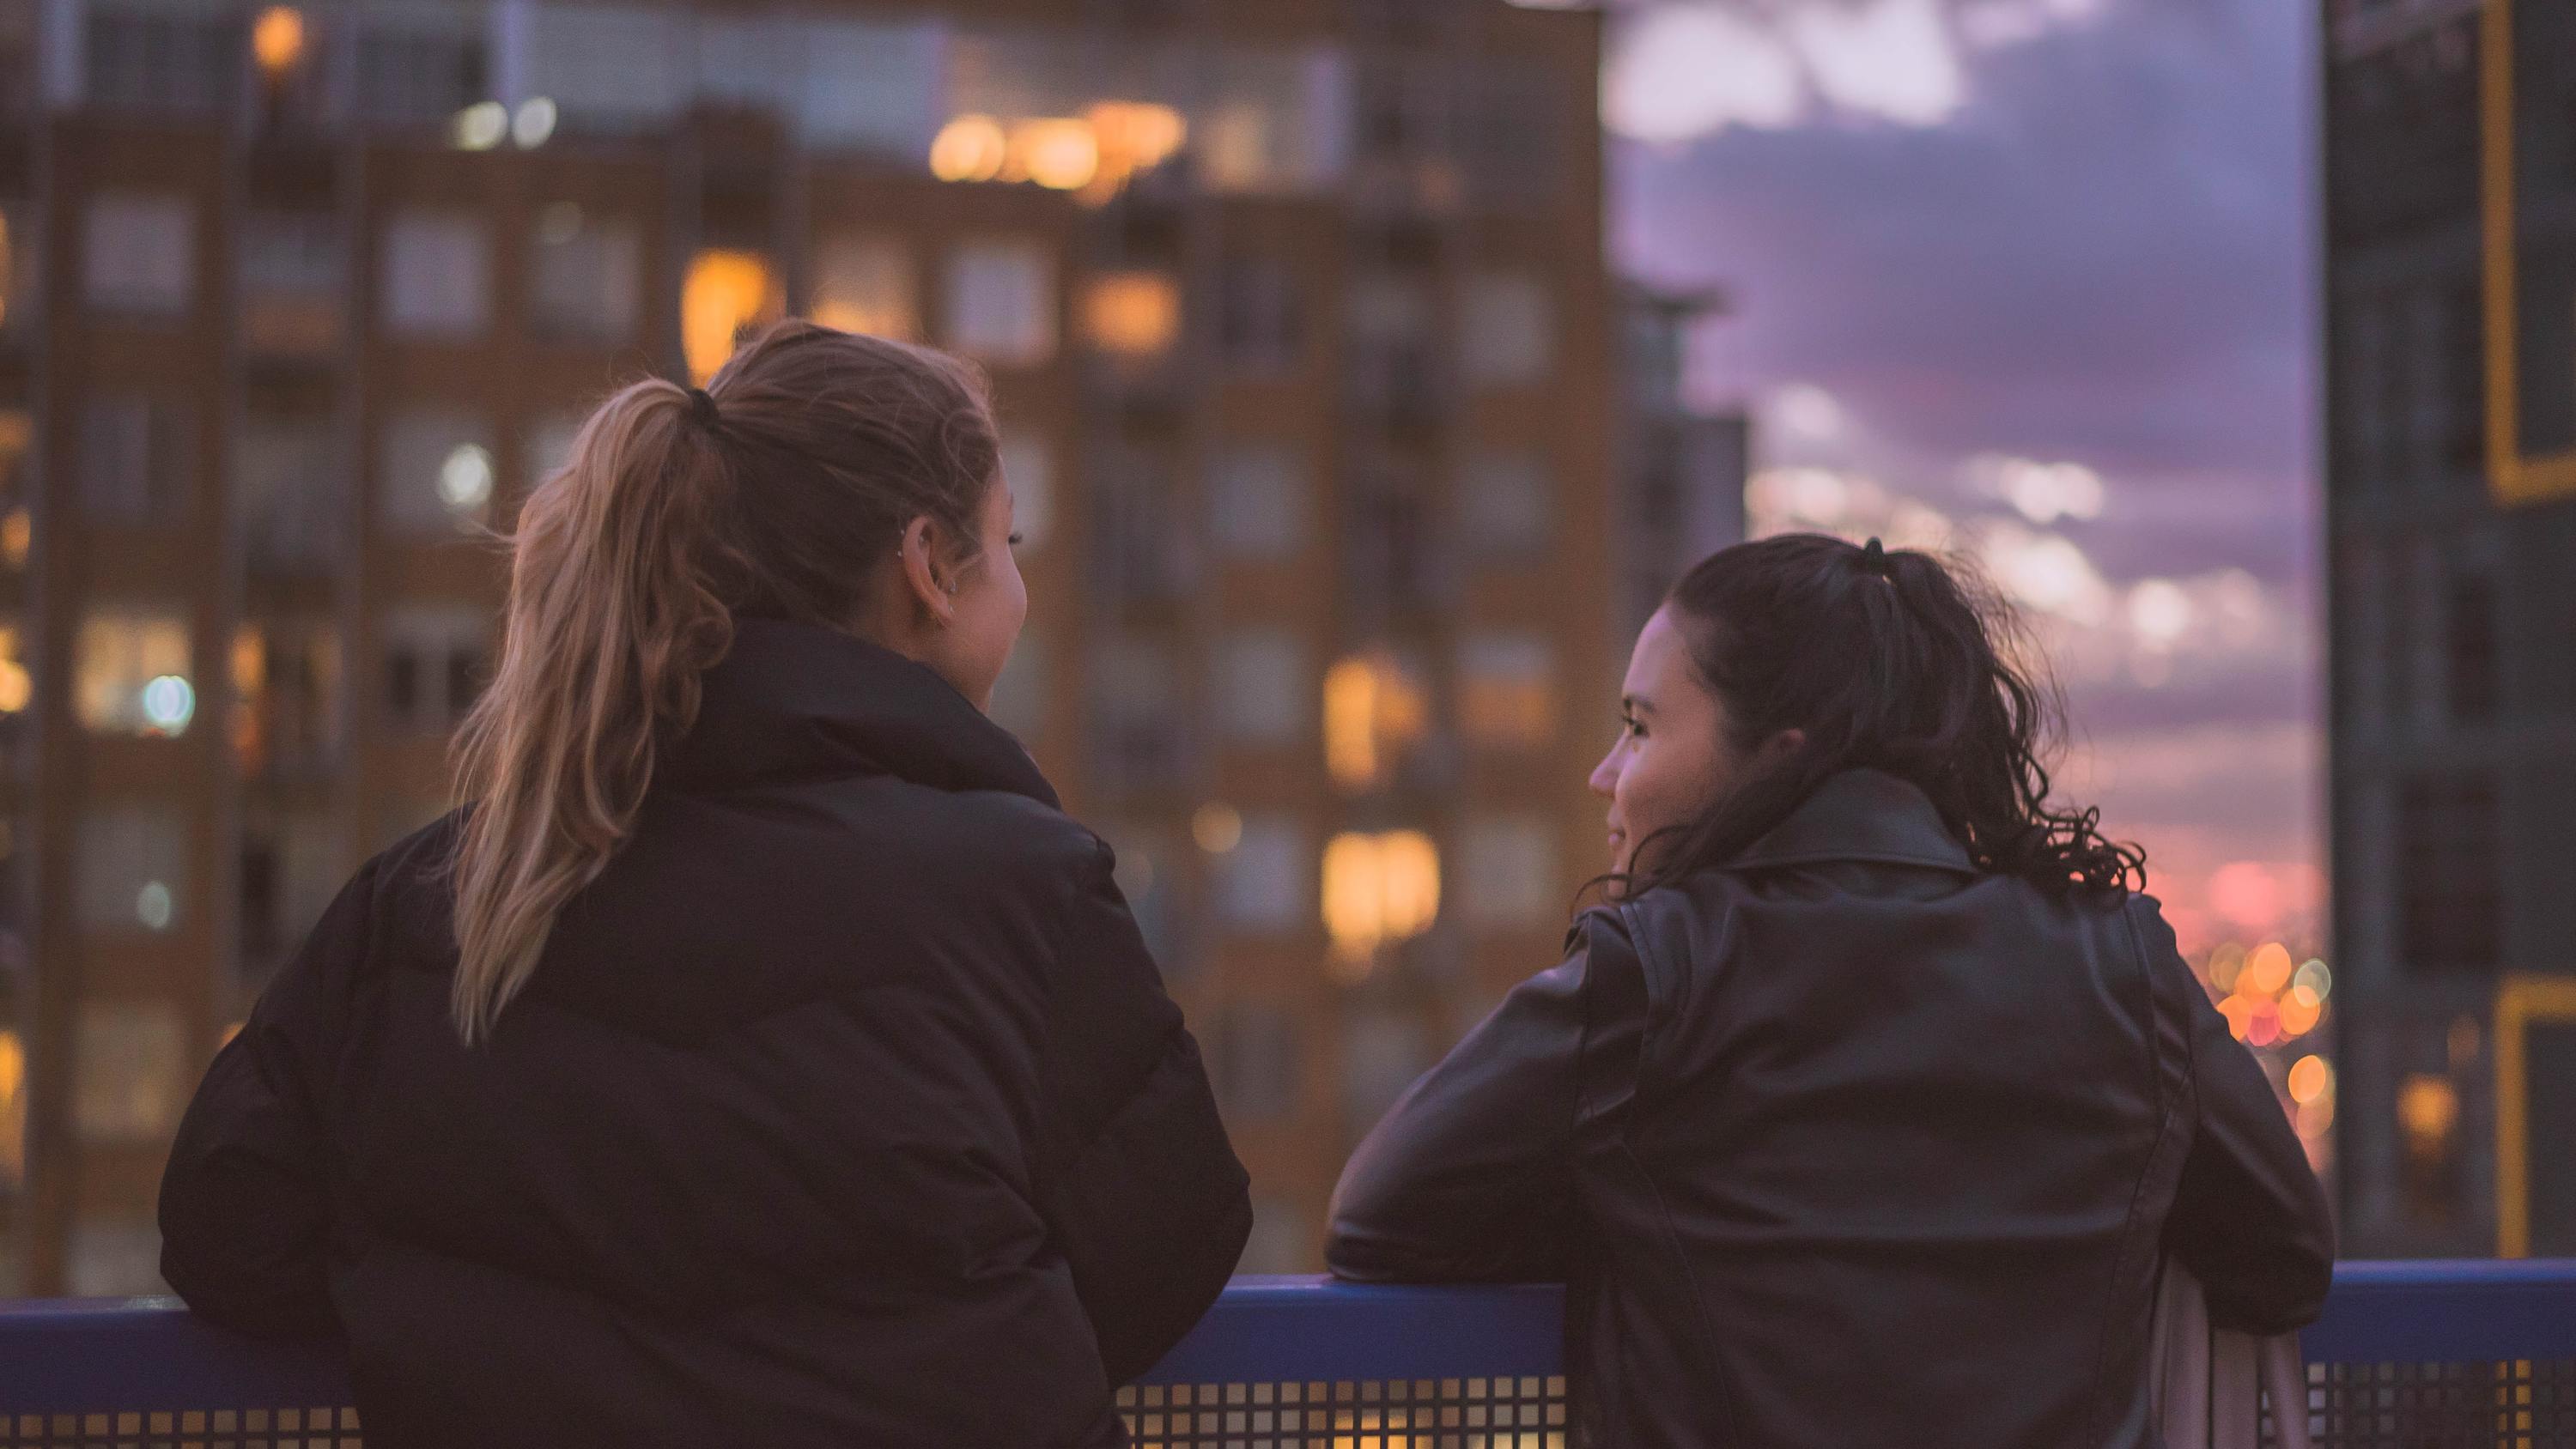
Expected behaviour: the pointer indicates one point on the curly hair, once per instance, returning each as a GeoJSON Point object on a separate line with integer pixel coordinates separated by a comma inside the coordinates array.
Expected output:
{"type": "Point", "coordinates": [1894, 661]}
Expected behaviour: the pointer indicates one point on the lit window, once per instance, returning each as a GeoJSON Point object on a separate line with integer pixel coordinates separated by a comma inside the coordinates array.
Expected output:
{"type": "Point", "coordinates": [1028, 466]}
{"type": "Point", "coordinates": [434, 473]}
{"type": "Point", "coordinates": [726, 295]}
{"type": "Point", "coordinates": [1020, 695]}
{"type": "Point", "coordinates": [1507, 690]}
{"type": "Point", "coordinates": [130, 1071]}
{"type": "Point", "coordinates": [286, 680]}
{"type": "Point", "coordinates": [1378, 889]}
{"type": "Point", "coordinates": [1507, 874]}
{"type": "Point", "coordinates": [133, 674]}
{"type": "Point", "coordinates": [587, 284]}
{"type": "Point", "coordinates": [291, 268]}
{"type": "Point", "coordinates": [1256, 1062]}
{"type": "Point", "coordinates": [17, 266]}
{"type": "Point", "coordinates": [1132, 315]}
{"type": "Point", "coordinates": [13, 1114]}
{"type": "Point", "coordinates": [1376, 708]}
{"type": "Point", "coordinates": [865, 284]}
{"type": "Point", "coordinates": [17, 524]}
{"type": "Point", "coordinates": [17, 684]}
{"type": "Point", "coordinates": [1000, 303]}
{"type": "Point", "coordinates": [1259, 508]}
{"type": "Point", "coordinates": [1509, 337]}
{"type": "Point", "coordinates": [130, 870]}
{"type": "Point", "coordinates": [436, 271]}
{"type": "Point", "coordinates": [135, 459]}
{"type": "Point", "coordinates": [286, 490]}
{"type": "Point", "coordinates": [138, 254]}
{"type": "Point", "coordinates": [1262, 686]}
{"type": "Point", "coordinates": [435, 660]}
{"type": "Point", "coordinates": [1261, 883]}
{"type": "Point", "coordinates": [1504, 505]}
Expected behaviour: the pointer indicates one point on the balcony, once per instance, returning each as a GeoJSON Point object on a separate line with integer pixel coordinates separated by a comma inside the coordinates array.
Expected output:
{"type": "Point", "coordinates": [2408, 1353]}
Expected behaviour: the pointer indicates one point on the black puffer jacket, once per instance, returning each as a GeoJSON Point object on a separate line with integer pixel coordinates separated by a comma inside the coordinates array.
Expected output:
{"type": "Point", "coordinates": [1850, 1144]}
{"type": "Point", "coordinates": [846, 1108]}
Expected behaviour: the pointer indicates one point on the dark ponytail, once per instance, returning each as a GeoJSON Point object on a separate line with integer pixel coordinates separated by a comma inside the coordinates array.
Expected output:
{"type": "Point", "coordinates": [1885, 660]}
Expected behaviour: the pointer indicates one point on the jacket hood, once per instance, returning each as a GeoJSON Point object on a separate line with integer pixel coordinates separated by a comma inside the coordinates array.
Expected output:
{"type": "Point", "coordinates": [1861, 815]}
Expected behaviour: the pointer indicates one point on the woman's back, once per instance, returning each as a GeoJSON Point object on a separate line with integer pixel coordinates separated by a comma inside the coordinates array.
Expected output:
{"type": "Point", "coordinates": [1850, 1143]}
{"type": "Point", "coordinates": [761, 1057]}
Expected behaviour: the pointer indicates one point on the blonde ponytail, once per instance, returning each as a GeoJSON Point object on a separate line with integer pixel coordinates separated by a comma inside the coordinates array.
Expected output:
{"type": "Point", "coordinates": [612, 620]}
{"type": "Point", "coordinates": [677, 511]}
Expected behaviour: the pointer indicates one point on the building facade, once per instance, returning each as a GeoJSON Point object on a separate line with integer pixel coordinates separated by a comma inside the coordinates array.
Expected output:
{"type": "Point", "coordinates": [1682, 467]}
{"type": "Point", "coordinates": [2450, 342]}
{"type": "Point", "coordinates": [1296, 313]}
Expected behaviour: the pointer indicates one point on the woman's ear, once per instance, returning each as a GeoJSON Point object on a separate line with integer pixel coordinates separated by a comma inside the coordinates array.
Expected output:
{"type": "Point", "coordinates": [1782, 745]}
{"type": "Point", "coordinates": [933, 584]}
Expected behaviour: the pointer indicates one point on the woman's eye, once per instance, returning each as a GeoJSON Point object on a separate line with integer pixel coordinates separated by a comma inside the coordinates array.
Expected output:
{"type": "Point", "coordinates": [1015, 540]}
{"type": "Point", "coordinates": [1629, 726]}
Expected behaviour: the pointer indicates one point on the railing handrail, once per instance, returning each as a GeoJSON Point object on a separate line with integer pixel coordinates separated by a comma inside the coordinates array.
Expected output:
{"type": "Point", "coordinates": [59, 1355]}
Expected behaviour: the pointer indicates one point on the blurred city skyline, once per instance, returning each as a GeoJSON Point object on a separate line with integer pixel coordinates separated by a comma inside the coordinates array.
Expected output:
{"type": "Point", "coordinates": [2033, 279]}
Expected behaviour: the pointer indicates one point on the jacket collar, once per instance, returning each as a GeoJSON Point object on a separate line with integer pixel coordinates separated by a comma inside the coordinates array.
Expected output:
{"type": "Point", "coordinates": [797, 701]}
{"type": "Point", "coordinates": [1861, 815]}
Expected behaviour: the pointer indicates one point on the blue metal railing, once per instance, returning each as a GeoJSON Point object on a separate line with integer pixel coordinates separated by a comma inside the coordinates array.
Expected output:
{"type": "Point", "coordinates": [148, 1354]}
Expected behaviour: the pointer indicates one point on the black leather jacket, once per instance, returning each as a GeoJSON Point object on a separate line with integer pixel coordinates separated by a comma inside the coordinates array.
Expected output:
{"type": "Point", "coordinates": [1849, 1144]}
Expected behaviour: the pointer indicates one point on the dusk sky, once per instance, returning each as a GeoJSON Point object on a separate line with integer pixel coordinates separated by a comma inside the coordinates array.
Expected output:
{"type": "Point", "coordinates": [2030, 279]}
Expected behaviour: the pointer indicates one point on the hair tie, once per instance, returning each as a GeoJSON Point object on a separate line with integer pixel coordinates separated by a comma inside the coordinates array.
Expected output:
{"type": "Point", "coordinates": [1873, 557]}
{"type": "Point", "coordinates": [702, 407]}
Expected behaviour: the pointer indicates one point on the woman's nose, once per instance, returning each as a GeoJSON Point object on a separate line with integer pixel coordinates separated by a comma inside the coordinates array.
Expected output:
{"type": "Point", "coordinates": [1605, 776]}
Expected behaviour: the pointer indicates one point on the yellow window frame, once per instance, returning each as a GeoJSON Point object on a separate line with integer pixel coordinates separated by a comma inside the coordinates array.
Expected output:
{"type": "Point", "coordinates": [2512, 478]}
{"type": "Point", "coordinates": [2521, 1001]}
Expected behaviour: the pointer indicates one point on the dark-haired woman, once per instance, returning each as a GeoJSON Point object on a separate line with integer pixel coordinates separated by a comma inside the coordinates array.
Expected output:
{"type": "Point", "coordinates": [759, 1057]}
{"type": "Point", "coordinates": [1866, 1109]}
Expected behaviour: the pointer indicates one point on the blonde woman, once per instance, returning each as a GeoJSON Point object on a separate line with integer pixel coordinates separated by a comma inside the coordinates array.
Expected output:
{"type": "Point", "coordinates": [758, 1056]}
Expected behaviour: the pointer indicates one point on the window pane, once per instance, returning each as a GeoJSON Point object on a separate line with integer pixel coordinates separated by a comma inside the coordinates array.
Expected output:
{"type": "Point", "coordinates": [726, 296]}
{"type": "Point", "coordinates": [17, 486]}
{"type": "Point", "coordinates": [17, 724]}
{"type": "Point", "coordinates": [436, 275]}
{"type": "Point", "coordinates": [436, 657]}
{"type": "Point", "coordinates": [1001, 302]}
{"type": "Point", "coordinates": [1258, 324]}
{"type": "Point", "coordinates": [1507, 873]}
{"type": "Point", "coordinates": [167, 62]}
{"type": "Point", "coordinates": [131, 869]}
{"type": "Point", "coordinates": [419, 65]}
{"type": "Point", "coordinates": [548, 446]}
{"type": "Point", "coordinates": [1137, 722]}
{"type": "Point", "coordinates": [133, 672]}
{"type": "Point", "coordinates": [1020, 695]}
{"type": "Point", "coordinates": [1134, 316]}
{"type": "Point", "coordinates": [291, 867]}
{"type": "Point", "coordinates": [1259, 508]}
{"type": "Point", "coordinates": [135, 458]}
{"type": "Point", "coordinates": [1383, 1050]}
{"type": "Point", "coordinates": [435, 473]}
{"type": "Point", "coordinates": [1507, 690]}
{"type": "Point", "coordinates": [1257, 1063]}
{"type": "Point", "coordinates": [293, 278]}
{"type": "Point", "coordinates": [115, 1258]}
{"type": "Point", "coordinates": [865, 284]}
{"type": "Point", "coordinates": [1028, 463]}
{"type": "Point", "coordinates": [286, 678]}
{"type": "Point", "coordinates": [130, 1071]}
{"type": "Point", "coordinates": [289, 491]}
{"type": "Point", "coordinates": [1504, 504]}
{"type": "Point", "coordinates": [1263, 693]}
{"type": "Point", "coordinates": [138, 253]}
{"type": "Point", "coordinates": [1262, 882]}
{"type": "Point", "coordinates": [587, 282]}
{"type": "Point", "coordinates": [1282, 1240]}
{"type": "Point", "coordinates": [1509, 330]}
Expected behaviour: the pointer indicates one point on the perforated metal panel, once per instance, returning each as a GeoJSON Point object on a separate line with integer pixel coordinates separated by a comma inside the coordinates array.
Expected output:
{"type": "Point", "coordinates": [1488, 1413]}
{"type": "Point", "coordinates": [2519, 1404]}
{"type": "Point", "coordinates": [278, 1428]}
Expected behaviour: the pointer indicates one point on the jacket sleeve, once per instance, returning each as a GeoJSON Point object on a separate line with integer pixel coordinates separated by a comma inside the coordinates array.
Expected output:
{"type": "Point", "coordinates": [1136, 1178]}
{"type": "Point", "coordinates": [1471, 1176]}
{"type": "Point", "coordinates": [245, 1199]}
{"type": "Point", "coordinates": [2249, 1218]}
